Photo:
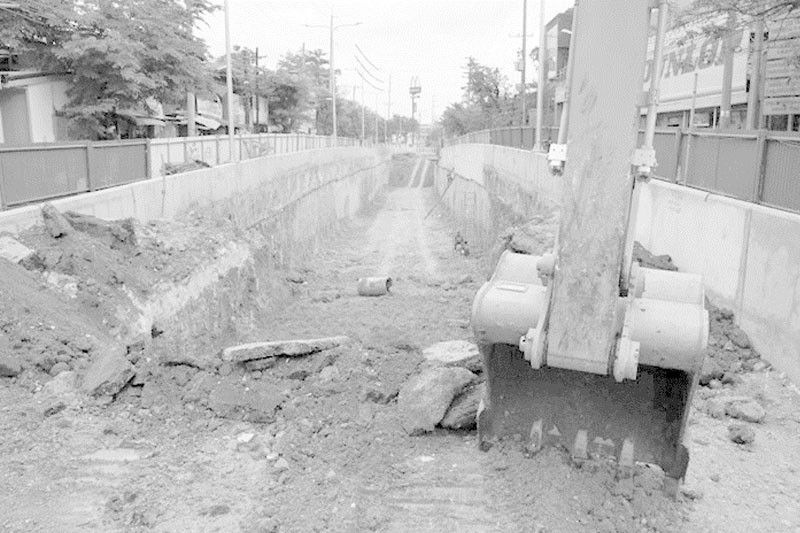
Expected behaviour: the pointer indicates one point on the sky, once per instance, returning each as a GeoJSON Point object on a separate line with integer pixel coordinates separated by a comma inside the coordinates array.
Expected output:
{"type": "Point", "coordinates": [428, 39]}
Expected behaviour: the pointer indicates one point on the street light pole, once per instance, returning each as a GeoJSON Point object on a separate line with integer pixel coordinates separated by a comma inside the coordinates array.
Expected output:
{"type": "Point", "coordinates": [229, 80]}
{"type": "Point", "coordinates": [542, 79]}
{"type": "Point", "coordinates": [524, 35]}
{"type": "Point", "coordinates": [333, 88]}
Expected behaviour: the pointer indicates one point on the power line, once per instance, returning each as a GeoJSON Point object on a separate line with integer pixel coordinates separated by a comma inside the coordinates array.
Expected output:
{"type": "Point", "coordinates": [366, 70]}
{"type": "Point", "coordinates": [367, 59]}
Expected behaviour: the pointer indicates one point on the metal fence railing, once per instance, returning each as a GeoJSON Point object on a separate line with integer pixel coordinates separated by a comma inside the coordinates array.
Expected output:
{"type": "Point", "coordinates": [45, 171]}
{"type": "Point", "coordinates": [756, 166]}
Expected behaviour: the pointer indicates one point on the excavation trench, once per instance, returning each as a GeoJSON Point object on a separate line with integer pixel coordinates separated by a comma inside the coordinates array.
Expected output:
{"type": "Point", "coordinates": [192, 441]}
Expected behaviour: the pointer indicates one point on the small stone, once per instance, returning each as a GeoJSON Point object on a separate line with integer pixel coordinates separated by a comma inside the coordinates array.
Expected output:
{"type": "Point", "coordinates": [738, 337]}
{"type": "Point", "coordinates": [244, 438]}
{"type": "Point", "coordinates": [328, 374]}
{"type": "Point", "coordinates": [691, 494]}
{"type": "Point", "coordinates": [59, 368]}
{"type": "Point", "coordinates": [715, 408]}
{"type": "Point", "coordinates": [281, 464]}
{"type": "Point", "coordinates": [714, 478]}
{"type": "Point", "coordinates": [741, 433]}
{"type": "Point", "coordinates": [711, 370]}
{"type": "Point", "coordinates": [749, 411]}
{"type": "Point", "coordinates": [9, 367]}
{"type": "Point", "coordinates": [218, 510]}
{"type": "Point", "coordinates": [225, 369]}
{"type": "Point", "coordinates": [715, 384]}
{"type": "Point", "coordinates": [729, 378]}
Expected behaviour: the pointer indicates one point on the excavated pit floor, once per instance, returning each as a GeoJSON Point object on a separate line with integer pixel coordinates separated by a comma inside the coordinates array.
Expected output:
{"type": "Point", "coordinates": [334, 457]}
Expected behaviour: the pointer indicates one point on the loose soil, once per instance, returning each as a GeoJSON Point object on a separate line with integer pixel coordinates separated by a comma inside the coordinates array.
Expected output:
{"type": "Point", "coordinates": [333, 457]}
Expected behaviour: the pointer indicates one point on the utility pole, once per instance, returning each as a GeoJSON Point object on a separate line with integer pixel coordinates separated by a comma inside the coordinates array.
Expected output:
{"type": "Point", "coordinates": [542, 78]}
{"type": "Point", "coordinates": [754, 96]}
{"type": "Point", "coordinates": [362, 112]}
{"type": "Point", "coordinates": [229, 80]}
{"type": "Point", "coordinates": [191, 112]}
{"type": "Point", "coordinates": [377, 114]}
{"type": "Point", "coordinates": [332, 89]}
{"type": "Point", "coordinates": [258, 117]}
{"type": "Point", "coordinates": [524, 37]}
{"type": "Point", "coordinates": [388, 111]}
{"type": "Point", "coordinates": [728, 47]}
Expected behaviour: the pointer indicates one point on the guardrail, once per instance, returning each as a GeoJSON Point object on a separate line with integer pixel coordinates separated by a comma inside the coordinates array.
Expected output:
{"type": "Point", "coordinates": [44, 171]}
{"type": "Point", "coordinates": [760, 166]}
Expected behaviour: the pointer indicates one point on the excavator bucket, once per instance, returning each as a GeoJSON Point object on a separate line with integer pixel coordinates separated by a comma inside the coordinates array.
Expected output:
{"type": "Point", "coordinates": [637, 411]}
{"type": "Point", "coordinates": [590, 415]}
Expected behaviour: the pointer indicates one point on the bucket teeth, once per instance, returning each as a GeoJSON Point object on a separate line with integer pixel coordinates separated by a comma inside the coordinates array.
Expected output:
{"type": "Point", "coordinates": [626, 455]}
{"type": "Point", "coordinates": [579, 449]}
{"type": "Point", "coordinates": [603, 447]}
{"type": "Point", "coordinates": [535, 444]}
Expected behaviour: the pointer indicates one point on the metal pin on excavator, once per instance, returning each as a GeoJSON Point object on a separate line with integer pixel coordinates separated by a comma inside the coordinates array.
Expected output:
{"type": "Point", "coordinates": [581, 349]}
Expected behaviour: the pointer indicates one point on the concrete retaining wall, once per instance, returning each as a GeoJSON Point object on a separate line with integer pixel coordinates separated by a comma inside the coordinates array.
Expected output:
{"type": "Point", "coordinates": [249, 191]}
{"type": "Point", "coordinates": [749, 255]}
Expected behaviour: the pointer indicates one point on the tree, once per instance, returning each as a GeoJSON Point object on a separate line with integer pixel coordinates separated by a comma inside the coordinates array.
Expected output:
{"type": "Point", "coordinates": [119, 53]}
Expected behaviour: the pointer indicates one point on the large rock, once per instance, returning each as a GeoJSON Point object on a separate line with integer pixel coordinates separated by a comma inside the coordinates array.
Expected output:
{"type": "Point", "coordinates": [456, 353]}
{"type": "Point", "coordinates": [108, 373]}
{"type": "Point", "coordinates": [57, 226]}
{"type": "Point", "coordinates": [425, 398]}
{"type": "Point", "coordinates": [463, 412]}
{"type": "Point", "coordinates": [291, 348]}
{"type": "Point", "coordinates": [58, 394]}
{"type": "Point", "coordinates": [252, 401]}
{"type": "Point", "coordinates": [9, 367]}
{"type": "Point", "coordinates": [116, 233]}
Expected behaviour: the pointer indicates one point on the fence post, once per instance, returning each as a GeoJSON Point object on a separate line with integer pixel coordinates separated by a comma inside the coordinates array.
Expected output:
{"type": "Point", "coordinates": [89, 149]}
{"type": "Point", "coordinates": [686, 156]}
{"type": "Point", "coordinates": [2, 185]}
{"type": "Point", "coordinates": [762, 146]}
{"type": "Point", "coordinates": [216, 147]}
{"type": "Point", "coordinates": [148, 158]}
{"type": "Point", "coordinates": [678, 150]}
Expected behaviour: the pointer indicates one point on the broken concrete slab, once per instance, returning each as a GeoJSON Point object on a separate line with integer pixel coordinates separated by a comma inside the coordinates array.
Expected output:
{"type": "Point", "coordinates": [455, 353]}
{"type": "Point", "coordinates": [115, 232]}
{"type": "Point", "coordinates": [55, 222]}
{"type": "Point", "coordinates": [289, 348]}
{"type": "Point", "coordinates": [14, 251]}
{"type": "Point", "coordinates": [463, 412]}
{"type": "Point", "coordinates": [108, 373]}
{"type": "Point", "coordinates": [425, 398]}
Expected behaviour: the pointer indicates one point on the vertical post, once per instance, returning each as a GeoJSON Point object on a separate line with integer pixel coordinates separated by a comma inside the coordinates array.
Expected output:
{"type": "Point", "coordinates": [229, 78]}
{"type": "Point", "coordinates": [332, 87]}
{"type": "Point", "coordinates": [362, 112]}
{"type": "Point", "coordinates": [148, 158]}
{"type": "Point", "coordinates": [694, 101]}
{"type": "Point", "coordinates": [537, 145]}
{"type": "Point", "coordinates": [89, 173]}
{"type": "Point", "coordinates": [522, 91]}
{"type": "Point", "coordinates": [191, 112]}
{"type": "Point", "coordinates": [754, 95]}
{"type": "Point", "coordinates": [216, 147]}
{"type": "Point", "coordinates": [728, 47]}
{"type": "Point", "coordinates": [2, 186]}
{"type": "Point", "coordinates": [388, 111]}
{"type": "Point", "coordinates": [655, 78]}
{"type": "Point", "coordinates": [761, 168]}
{"type": "Point", "coordinates": [258, 105]}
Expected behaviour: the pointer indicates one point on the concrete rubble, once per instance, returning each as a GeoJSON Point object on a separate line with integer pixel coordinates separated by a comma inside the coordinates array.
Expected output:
{"type": "Point", "coordinates": [455, 353]}
{"type": "Point", "coordinates": [256, 351]}
{"type": "Point", "coordinates": [109, 372]}
{"type": "Point", "coordinates": [425, 398]}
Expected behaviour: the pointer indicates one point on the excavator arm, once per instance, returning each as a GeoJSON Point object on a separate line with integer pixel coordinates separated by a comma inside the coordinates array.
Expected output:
{"type": "Point", "coordinates": [579, 348]}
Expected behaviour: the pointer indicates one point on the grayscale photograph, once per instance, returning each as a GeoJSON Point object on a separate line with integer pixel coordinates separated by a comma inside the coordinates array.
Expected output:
{"type": "Point", "coordinates": [424, 266]}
